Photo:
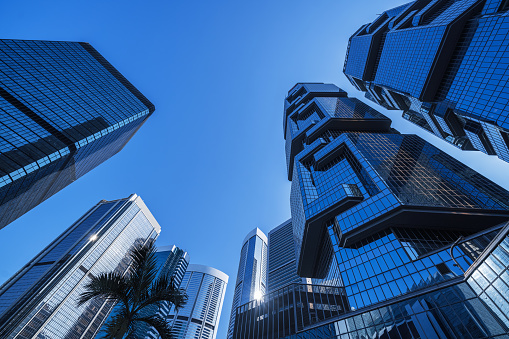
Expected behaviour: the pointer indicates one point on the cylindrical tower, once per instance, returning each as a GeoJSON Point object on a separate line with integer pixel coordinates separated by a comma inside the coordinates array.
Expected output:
{"type": "Point", "coordinates": [198, 319]}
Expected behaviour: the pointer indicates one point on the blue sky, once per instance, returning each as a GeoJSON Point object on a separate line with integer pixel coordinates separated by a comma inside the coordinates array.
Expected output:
{"type": "Point", "coordinates": [210, 162]}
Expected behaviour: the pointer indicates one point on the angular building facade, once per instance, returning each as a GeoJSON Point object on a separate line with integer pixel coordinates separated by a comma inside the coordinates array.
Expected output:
{"type": "Point", "coordinates": [40, 300]}
{"type": "Point", "coordinates": [63, 111]}
{"type": "Point", "coordinates": [444, 63]}
{"type": "Point", "coordinates": [421, 240]}
{"type": "Point", "coordinates": [198, 318]}
{"type": "Point", "coordinates": [251, 281]}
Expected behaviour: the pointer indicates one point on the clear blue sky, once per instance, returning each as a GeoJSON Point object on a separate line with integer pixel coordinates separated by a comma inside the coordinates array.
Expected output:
{"type": "Point", "coordinates": [210, 162]}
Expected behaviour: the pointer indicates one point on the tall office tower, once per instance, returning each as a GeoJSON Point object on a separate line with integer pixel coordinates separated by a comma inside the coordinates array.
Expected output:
{"type": "Point", "coordinates": [173, 262]}
{"type": "Point", "coordinates": [444, 63]}
{"type": "Point", "coordinates": [421, 240]}
{"type": "Point", "coordinates": [40, 300]}
{"type": "Point", "coordinates": [282, 261]}
{"type": "Point", "coordinates": [198, 319]}
{"type": "Point", "coordinates": [252, 274]}
{"type": "Point", "coordinates": [63, 111]}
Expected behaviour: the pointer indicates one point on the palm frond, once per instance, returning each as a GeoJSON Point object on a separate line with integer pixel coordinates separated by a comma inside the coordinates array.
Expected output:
{"type": "Point", "coordinates": [140, 292]}
{"type": "Point", "coordinates": [111, 286]}
{"type": "Point", "coordinates": [164, 290]}
{"type": "Point", "coordinates": [117, 326]}
{"type": "Point", "coordinates": [159, 324]}
{"type": "Point", "coordinates": [143, 269]}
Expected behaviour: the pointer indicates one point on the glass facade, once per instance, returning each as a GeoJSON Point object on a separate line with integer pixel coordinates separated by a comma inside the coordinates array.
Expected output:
{"type": "Point", "coordinates": [444, 63]}
{"type": "Point", "coordinates": [282, 261]}
{"type": "Point", "coordinates": [63, 111]}
{"type": "Point", "coordinates": [198, 319]}
{"type": "Point", "coordinates": [284, 312]}
{"type": "Point", "coordinates": [359, 177]}
{"type": "Point", "coordinates": [40, 300]}
{"type": "Point", "coordinates": [252, 274]}
{"type": "Point", "coordinates": [413, 243]}
{"type": "Point", "coordinates": [171, 261]}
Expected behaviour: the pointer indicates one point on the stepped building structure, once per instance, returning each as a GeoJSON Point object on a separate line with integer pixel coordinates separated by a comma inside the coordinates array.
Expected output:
{"type": "Point", "coordinates": [421, 241]}
{"type": "Point", "coordinates": [444, 64]}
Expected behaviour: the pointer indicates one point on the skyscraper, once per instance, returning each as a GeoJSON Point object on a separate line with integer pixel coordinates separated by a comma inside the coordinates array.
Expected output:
{"type": "Point", "coordinates": [282, 260]}
{"type": "Point", "coordinates": [63, 111]}
{"type": "Point", "coordinates": [444, 63]}
{"type": "Point", "coordinates": [252, 274]}
{"type": "Point", "coordinates": [40, 300]}
{"type": "Point", "coordinates": [421, 240]}
{"type": "Point", "coordinates": [198, 319]}
{"type": "Point", "coordinates": [287, 292]}
{"type": "Point", "coordinates": [173, 262]}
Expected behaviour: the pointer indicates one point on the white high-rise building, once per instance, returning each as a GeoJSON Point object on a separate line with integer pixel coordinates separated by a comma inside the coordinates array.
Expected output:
{"type": "Point", "coordinates": [198, 319]}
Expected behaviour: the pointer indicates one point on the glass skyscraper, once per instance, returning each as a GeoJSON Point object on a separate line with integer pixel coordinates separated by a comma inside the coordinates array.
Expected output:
{"type": "Point", "coordinates": [252, 274]}
{"type": "Point", "coordinates": [444, 63]}
{"type": "Point", "coordinates": [173, 262]}
{"type": "Point", "coordinates": [64, 110]}
{"type": "Point", "coordinates": [282, 261]}
{"type": "Point", "coordinates": [198, 318]}
{"type": "Point", "coordinates": [420, 240]}
{"type": "Point", "coordinates": [40, 300]}
{"type": "Point", "coordinates": [286, 287]}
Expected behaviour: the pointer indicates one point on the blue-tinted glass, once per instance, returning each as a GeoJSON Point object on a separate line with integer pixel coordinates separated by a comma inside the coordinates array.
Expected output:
{"type": "Point", "coordinates": [64, 110]}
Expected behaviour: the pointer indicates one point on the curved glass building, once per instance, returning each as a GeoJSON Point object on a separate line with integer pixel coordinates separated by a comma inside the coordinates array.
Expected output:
{"type": "Point", "coordinates": [198, 319]}
{"type": "Point", "coordinates": [252, 274]}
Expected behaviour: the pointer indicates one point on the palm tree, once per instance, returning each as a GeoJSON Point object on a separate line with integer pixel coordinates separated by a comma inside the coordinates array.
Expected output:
{"type": "Point", "coordinates": [137, 293]}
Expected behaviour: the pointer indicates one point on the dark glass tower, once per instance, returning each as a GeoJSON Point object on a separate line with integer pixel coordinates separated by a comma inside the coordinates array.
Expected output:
{"type": "Point", "coordinates": [421, 241]}
{"type": "Point", "coordinates": [282, 261]}
{"type": "Point", "coordinates": [444, 63]}
{"type": "Point", "coordinates": [41, 300]}
{"type": "Point", "coordinates": [63, 111]}
{"type": "Point", "coordinates": [173, 262]}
